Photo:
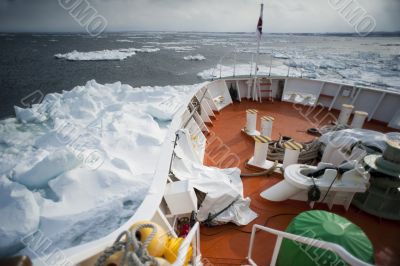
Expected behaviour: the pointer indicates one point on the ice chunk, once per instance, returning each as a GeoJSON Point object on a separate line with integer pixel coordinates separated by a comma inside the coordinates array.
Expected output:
{"type": "Point", "coordinates": [179, 48]}
{"type": "Point", "coordinates": [165, 110]}
{"type": "Point", "coordinates": [280, 55]}
{"type": "Point", "coordinates": [45, 169]}
{"type": "Point", "coordinates": [198, 57]}
{"type": "Point", "coordinates": [25, 115]}
{"type": "Point", "coordinates": [146, 50]}
{"type": "Point", "coordinates": [96, 55]}
{"type": "Point", "coordinates": [124, 41]}
{"type": "Point", "coordinates": [90, 198]}
{"type": "Point", "coordinates": [120, 54]}
{"type": "Point", "coordinates": [19, 216]}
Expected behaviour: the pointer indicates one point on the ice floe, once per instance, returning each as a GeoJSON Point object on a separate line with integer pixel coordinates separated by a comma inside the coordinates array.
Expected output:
{"type": "Point", "coordinates": [119, 54]}
{"type": "Point", "coordinates": [76, 166]}
{"type": "Point", "coordinates": [179, 48]}
{"type": "Point", "coordinates": [280, 55]}
{"type": "Point", "coordinates": [124, 41]}
{"type": "Point", "coordinates": [19, 216]}
{"type": "Point", "coordinates": [198, 57]}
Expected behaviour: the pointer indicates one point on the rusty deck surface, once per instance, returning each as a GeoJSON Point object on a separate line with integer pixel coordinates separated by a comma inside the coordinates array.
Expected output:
{"type": "Point", "coordinates": [228, 244]}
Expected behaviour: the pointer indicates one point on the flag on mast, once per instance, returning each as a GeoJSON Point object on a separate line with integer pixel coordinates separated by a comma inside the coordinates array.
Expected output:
{"type": "Point", "coordinates": [260, 23]}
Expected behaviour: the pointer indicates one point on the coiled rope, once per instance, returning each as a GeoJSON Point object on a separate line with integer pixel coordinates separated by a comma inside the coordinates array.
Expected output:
{"type": "Point", "coordinates": [134, 251]}
{"type": "Point", "coordinates": [330, 128]}
{"type": "Point", "coordinates": [266, 172]}
{"type": "Point", "coordinates": [309, 153]}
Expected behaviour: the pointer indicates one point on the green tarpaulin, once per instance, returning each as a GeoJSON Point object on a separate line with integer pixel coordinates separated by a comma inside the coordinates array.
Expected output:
{"type": "Point", "coordinates": [329, 227]}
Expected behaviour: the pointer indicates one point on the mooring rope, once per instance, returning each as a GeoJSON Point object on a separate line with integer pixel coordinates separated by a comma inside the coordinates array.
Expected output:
{"type": "Point", "coordinates": [310, 151]}
{"type": "Point", "coordinates": [267, 172]}
{"type": "Point", "coordinates": [134, 251]}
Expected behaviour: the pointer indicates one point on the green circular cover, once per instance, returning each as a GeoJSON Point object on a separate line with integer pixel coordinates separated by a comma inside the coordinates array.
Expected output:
{"type": "Point", "coordinates": [325, 226]}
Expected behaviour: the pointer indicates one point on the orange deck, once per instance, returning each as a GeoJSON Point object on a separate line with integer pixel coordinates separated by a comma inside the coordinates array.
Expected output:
{"type": "Point", "coordinates": [228, 244]}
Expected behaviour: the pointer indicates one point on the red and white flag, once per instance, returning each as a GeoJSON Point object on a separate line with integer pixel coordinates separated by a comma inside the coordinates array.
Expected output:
{"type": "Point", "coordinates": [260, 23]}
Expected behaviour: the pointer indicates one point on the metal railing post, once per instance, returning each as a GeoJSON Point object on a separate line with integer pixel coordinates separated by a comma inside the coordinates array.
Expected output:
{"type": "Point", "coordinates": [333, 247]}
{"type": "Point", "coordinates": [234, 63]}
{"type": "Point", "coordinates": [251, 65]}
{"type": "Point", "coordinates": [270, 66]}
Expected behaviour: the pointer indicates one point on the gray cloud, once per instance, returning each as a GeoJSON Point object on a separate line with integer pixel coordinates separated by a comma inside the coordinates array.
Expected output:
{"type": "Point", "coordinates": [197, 15]}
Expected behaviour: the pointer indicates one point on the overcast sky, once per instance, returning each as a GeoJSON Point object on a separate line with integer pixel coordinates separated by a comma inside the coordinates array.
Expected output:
{"type": "Point", "coordinates": [196, 15]}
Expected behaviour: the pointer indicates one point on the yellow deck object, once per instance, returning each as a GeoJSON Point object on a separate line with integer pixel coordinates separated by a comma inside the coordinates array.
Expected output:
{"type": "Point", "coordinates": [172, 250]}
{"type": "Point", "coordinates": [114, 259]}
{"type": "Point", "coordinates": [252, 111]}
{"type": "Point", "coordinates": [163, 262]}
{"type": "Point", "coordinates": [157, 245]}
{"type": "Point", "coordinates": [262, 139]}
{"type": "Point", "coordinates": [292, 145]}
{"type": "Point", "coordinates": [268, 118]}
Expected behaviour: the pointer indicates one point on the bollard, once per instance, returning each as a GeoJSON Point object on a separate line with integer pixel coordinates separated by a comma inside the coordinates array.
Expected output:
{"type": "Point", "coordinates": [359, 119]}
{"type": "Point", "coordinates": [260, 149]}
{"type": "Point", "coordinates": [344, 116]}
{"type": "Point", "coordinates": [260, 153]}
{"type": "Point", "coordinates": [266, 126]}
{"type": "Point", "coordinates": [292, 153]}
{"type": "Point", "coordinates": [251, 124]}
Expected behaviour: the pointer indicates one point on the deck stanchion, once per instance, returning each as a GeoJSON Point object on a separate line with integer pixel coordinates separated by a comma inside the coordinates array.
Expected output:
{"type": "Point", "coordinates": [266, 126]}
{"type": "Point", "coordinates": [359, 119]}
{"type": "Point", "coordinates": [292, 153]}
{"type": "Point", "coordinates": [344, 116]}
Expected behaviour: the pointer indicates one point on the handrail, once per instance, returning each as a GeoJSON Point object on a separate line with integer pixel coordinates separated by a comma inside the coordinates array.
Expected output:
{"type": "Point", "coordinates": [195, 109]}
{"type": "Point", "coordinates": [227, 55]}
{"type": "Point", "coordinates": [220, 64]}
{"type": "Point", "coordinates": [183, 249]}
{"type": "Point", "coordinates": [339, 250]}
{"type": "Point", "coordinates": [289, 73]}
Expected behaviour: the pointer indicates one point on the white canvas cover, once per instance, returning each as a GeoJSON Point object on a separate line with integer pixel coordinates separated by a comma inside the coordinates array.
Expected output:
{"type": "Point", "coordinates": [223, 187]}
{"type": "Point", "coordinates": [347, 137]}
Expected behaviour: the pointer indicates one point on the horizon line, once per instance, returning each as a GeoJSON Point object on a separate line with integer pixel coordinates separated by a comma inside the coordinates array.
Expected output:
{"type": "Point", "coordinates": [194, 31]}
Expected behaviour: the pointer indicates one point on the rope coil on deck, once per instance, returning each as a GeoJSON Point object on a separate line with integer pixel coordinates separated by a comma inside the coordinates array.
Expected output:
{"type": "Point", "coordinates": [309, 151]}
{"type": "Point", "coordinates": [134, 251]}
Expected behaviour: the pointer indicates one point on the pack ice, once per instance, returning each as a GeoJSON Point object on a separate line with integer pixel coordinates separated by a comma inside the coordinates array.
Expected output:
{"type": "Point", "coordinates": [76, 166]}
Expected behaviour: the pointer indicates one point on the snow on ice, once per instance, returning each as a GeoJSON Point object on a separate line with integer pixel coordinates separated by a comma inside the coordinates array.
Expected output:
{"type": "Point", "coordinates": [77, 166]}
{"type": "Point", "coordinates": [198, 57]}
{"type": "Point", "coordinates": [120, 54]}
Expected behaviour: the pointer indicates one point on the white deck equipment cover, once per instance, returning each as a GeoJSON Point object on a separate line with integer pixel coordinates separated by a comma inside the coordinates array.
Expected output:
{"type": "Point", "coordinates": [222, 186]}
{"type": "Point", "coordinates": [337, 143]}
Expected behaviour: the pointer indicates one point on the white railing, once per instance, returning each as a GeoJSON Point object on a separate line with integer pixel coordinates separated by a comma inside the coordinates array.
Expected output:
{"type": "Point", "coordinates": [339, 250]}
{"type": "Point", "coordinates": [217, 70]}
{"type": "Point", "coordinates": [192, 238]}
{"type": "Point", "coordinates": [219, 66]}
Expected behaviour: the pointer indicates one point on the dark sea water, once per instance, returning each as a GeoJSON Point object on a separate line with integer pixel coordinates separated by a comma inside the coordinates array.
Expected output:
{"type": "Point", "coordinates": [28, 64]}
